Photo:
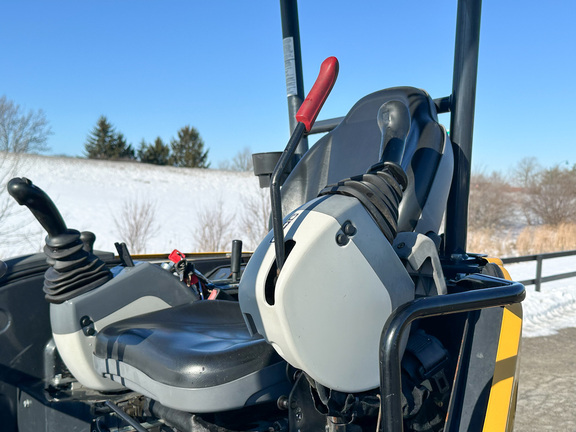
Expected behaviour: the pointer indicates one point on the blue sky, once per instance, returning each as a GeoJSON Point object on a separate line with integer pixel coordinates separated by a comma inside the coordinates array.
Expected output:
{"type": "Point", "coordinates": [152, 67]}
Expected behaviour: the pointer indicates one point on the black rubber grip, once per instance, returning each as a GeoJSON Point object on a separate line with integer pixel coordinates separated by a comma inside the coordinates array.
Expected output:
{"type": "Point", "coordinates": [40, 204]}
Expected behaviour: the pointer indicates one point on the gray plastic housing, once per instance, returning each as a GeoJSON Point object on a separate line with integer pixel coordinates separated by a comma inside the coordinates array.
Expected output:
{"type": "Point", "coordinates": [337, 284]}
{"type": "Point", "coordinates": [133, 291]}
{"type": "Point", "coordinates": [129, 285]}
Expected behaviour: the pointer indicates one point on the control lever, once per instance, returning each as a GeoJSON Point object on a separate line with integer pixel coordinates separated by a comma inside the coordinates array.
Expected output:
{"type": "Point", "coordinates": [40, 204]}
{"type": "Point", "coordinates": [88, 238]}
{"type": "Point", "coordinates": [380, 190]}
{"type": "Point", "coordinates": [124, 254]}
{"type": "Point", "coordinates": [74, 269]}
{"type": "Point", "coordinates": [306, 116]}
{"type": "Point", "coordinates": [394, 123]}
{"type": "Point", "coordinates": [235, 260]}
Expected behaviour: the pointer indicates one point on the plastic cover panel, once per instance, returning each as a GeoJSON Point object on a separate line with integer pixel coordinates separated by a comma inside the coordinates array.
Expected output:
{"type": "Point", "coordinates": [328, 296]}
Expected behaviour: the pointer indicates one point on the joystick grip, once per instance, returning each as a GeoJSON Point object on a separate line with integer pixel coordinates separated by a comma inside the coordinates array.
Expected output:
{"type": "Point", "coordinates": [74, 269]}
{"type": "Point", "coordinates": [394, 123]}
{"type": "Point", "coordinates": [40, 204]}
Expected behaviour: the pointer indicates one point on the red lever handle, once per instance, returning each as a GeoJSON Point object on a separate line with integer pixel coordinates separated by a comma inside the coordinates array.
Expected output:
{"type": "Point", "coordinates": [320, 90]}
{"type": "Point", "coordinates": [176, 256]}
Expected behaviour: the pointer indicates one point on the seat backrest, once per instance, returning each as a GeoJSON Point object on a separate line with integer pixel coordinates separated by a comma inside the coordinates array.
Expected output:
{"type": "Point", "coordinates": [306, 310]}
{"type": "Point", "coordinates": [354, 146]}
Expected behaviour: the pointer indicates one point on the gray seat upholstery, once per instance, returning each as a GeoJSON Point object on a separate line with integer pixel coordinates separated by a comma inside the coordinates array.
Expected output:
{"type": "Point", "coordinates": [354, 146]}
{"type": "Point", "coordinates": [196, 356]}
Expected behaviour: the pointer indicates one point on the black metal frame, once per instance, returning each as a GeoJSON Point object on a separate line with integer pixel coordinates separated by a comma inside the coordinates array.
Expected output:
{"type": "Point", "coordinates": [460, 104]}
{"type": "Point", "coordinates": [538, 280]}
{"type": "Point", "coordinates": [291, 29]}
{"type": "Point", "coordinates": [275, 197]}
{"type": "Point", "coordinates": [398, 323]}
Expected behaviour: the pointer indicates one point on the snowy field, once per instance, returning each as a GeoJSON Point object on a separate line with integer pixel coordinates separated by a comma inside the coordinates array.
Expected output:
{"type": "Point", "coordinates": [554, 307]}
{"type": "Point", "coordinates": [90, 196]}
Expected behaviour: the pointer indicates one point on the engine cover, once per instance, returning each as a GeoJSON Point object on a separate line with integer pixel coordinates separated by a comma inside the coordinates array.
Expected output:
{"type": "Point", "coordinates": [326, 310]}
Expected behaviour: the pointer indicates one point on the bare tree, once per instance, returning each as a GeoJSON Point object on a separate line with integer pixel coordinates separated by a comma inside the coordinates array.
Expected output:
{"type": "Point", "coordinates": [256, 217]}
{"type": "Point", "coordinates": [136, 224]}
{"type": "Point", "coordinates": [525, 171]}
{"type": "Point", "coordinates": [549, 193]}
{"type": "Point", "coordinates": [214, 230]}
{"type": "Point", "coordinates": [20, 132]}
{"type": "Point", "coordinates": [242, 161]}
{"type": "Point", "coordinates": [525, 176]}
{"type": "Point", "coordinates": [553, 196]}
{"type": "Point", "coordinates": [489, 203]}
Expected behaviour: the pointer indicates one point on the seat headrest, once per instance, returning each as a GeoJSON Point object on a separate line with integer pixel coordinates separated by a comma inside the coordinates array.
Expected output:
{"type": "Point", "coordinates": [353, 147]}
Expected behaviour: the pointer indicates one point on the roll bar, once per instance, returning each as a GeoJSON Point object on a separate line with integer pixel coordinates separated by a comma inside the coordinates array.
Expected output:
{"type": "Point", "coordinates": [460, 104]}
{"type": "Point", "coordinates": [398, 323]}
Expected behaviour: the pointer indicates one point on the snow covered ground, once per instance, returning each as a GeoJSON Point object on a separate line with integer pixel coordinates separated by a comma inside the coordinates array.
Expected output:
{"type": "Point", "coordinates": [90, 196]}
{"type": "Point", "coordinates": [554, 307]}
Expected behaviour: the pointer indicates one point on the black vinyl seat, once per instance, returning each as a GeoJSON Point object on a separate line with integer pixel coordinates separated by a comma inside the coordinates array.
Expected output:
{"type": "Point", "coordinates": [196, 356]}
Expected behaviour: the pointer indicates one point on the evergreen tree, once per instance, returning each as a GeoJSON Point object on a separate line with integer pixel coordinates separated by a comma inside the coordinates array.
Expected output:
{"type": "Point", "coordinates": [105, 143]}
{"type": "Point", "coordinates": [120, 149]}
{"type": "Point", "coordinates": [141, 155]}
{"type": "Point", "coordinates": [99, 139]}
{"type": "Point", "coordinates": [188, 149]}
{"type": "Point", "coordinates": [158, 154]}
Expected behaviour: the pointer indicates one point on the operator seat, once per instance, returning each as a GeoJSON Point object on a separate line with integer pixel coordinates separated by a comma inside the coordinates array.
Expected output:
{"type": "Point", "coordinates": [353, 147]}
{"type": "Point", "coordinates": [200, 357]}
{"type": "Point", "coordinates": [195, 357]}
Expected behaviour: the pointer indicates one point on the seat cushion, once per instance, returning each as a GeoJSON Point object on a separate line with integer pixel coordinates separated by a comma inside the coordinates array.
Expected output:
{"type": "Point", "coordinates": [196, 345]}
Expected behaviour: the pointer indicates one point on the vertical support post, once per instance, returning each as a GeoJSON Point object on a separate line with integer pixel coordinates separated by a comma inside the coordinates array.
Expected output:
{"type": "Point", "coordinates": [538, 281]}
{"type": "Point", "coordinates": [462, 122]}
{"type": "Point", "coordinates": [293, 65]}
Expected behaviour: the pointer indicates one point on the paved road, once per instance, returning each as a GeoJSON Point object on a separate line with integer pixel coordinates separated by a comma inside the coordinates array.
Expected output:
{"type": "Point", "coordinates": [547, 389]}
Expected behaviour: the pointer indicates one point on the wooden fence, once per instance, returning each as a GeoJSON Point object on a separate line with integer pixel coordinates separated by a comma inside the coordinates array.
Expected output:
{"type": "Point", "coordinates": [539, 258]}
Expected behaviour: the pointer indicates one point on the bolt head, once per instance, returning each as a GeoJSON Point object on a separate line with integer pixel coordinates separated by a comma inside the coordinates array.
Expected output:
{"type": "Point", "coordinates": [349, 229]}
{"type": "Point", "coordinates": [342, 239]}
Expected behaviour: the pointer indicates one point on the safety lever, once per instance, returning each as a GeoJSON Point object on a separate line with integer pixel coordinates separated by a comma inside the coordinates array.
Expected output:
{"type": "Point", "coordinates": [306, 116]}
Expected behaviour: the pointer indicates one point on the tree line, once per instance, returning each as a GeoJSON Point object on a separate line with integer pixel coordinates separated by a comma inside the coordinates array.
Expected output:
{"type": "Point", "coordinates": [531, 194]}
{"type": "Point", "coordinates": [185, 150]}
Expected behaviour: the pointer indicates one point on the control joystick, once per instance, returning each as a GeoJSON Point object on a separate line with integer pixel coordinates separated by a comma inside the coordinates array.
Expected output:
{"type": "Point", "coordinates": [380, 190]}
{"type": "Point", "coordinates": [74, 269]}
